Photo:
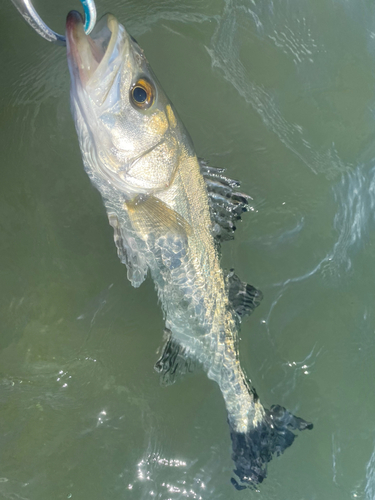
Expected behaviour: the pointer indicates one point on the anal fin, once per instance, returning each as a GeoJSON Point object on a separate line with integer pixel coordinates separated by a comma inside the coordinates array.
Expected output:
{"type": "Point", "coordinates": [173, 361]}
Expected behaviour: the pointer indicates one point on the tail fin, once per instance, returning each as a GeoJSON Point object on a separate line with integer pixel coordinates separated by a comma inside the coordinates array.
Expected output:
{"type": "Point", "coordinates": [253, 450]}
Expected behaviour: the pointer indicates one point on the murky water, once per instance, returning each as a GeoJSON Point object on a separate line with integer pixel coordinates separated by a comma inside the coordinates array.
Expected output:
{"type": "Point", "coordinates": [282, 94]}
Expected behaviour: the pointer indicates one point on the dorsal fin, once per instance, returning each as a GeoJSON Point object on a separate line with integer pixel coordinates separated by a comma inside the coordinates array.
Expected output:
{"type": "Point", "coordinates": [173, 361]}
{"type": "Point", "coordinates": [244, 298]}
{"type": "Point", "coordinates": [226, 203]}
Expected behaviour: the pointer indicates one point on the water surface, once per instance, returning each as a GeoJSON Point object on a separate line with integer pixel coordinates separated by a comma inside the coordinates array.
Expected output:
{"type": "Point", "coordinates": [282, 94]}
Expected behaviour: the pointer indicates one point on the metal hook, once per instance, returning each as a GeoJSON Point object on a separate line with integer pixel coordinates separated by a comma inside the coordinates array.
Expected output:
{"type": "Point", "coordinates": [27, 11]}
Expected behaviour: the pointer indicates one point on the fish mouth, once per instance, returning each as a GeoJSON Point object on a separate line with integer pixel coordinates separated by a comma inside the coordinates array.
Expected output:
{"type": "Point", "coordinates": [87, 54]}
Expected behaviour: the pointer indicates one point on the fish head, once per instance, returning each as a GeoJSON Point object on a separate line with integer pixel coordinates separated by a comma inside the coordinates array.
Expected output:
{"type": "Point", "coordinates": [130, 136]}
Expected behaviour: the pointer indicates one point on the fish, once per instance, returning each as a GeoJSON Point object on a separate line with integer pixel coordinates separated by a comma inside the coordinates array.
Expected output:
{"type": "Point", "coordinates": [170, 212]}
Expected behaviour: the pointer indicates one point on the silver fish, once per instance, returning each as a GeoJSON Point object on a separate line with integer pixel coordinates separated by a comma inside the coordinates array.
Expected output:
{"type": "Point", "coordinates": [169, 212]}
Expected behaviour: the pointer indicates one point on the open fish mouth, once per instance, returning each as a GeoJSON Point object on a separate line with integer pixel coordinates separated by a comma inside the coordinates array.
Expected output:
{"type": "Point", "coordinates": [88, 53]}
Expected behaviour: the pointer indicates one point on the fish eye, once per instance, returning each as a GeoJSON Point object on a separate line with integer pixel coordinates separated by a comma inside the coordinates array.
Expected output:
{"type": "Point", "coordinates": [142, 94]}
{"type": "Point", "coordinates": [139, 95]}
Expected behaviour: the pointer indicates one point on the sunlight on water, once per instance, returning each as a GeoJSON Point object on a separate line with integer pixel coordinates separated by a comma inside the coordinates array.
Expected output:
{"type": "Point", "coordinates": [281, 94]}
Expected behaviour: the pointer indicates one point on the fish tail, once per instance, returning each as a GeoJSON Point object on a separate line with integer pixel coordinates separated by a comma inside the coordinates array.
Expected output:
{"type": "Point", "coordinates": [254, 449]}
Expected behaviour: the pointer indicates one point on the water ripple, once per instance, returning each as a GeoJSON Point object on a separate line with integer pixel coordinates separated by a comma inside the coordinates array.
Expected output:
{"type": "Point", "coordinates": [225, 53]}
{"type": "Point", "coordinates": [355, 198]}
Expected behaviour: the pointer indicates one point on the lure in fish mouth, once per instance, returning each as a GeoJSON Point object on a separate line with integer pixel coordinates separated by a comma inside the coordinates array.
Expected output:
{"type": "Point", "coordinates": [170, 212]}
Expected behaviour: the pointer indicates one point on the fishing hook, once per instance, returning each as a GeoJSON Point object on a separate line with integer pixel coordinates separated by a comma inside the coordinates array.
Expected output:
{"type": "Point", "coordinates": [27, 11]}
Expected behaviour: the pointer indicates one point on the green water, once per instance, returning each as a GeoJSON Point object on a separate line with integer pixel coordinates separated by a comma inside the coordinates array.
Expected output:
{"type": "Point", "coordinates": [282, 94]}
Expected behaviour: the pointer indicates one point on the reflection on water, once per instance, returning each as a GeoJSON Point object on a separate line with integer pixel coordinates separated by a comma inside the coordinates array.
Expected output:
{"type": "Point", "coordinates": [154, 465]}
{"type": "Point", "coordinates": [281, 93]}
{"type": "Point", "coordinates": [370, 478]}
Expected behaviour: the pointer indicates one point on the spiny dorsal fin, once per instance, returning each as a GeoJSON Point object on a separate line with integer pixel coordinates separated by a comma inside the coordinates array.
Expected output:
{"type": "Point", "coordinates": [244, 298]}
{"type": "Point", "coordinates": [174, 361]}
{"type": "Point", "coordinates": [226, 204]}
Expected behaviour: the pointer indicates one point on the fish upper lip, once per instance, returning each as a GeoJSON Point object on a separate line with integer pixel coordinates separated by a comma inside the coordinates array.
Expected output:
{"type": "Point", "coordinates": [73, 18]}
{"type": "Point", "coordinates": [85, 52]}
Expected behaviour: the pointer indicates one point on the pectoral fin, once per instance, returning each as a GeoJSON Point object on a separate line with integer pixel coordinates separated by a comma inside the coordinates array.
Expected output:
{"type": "Point", "coordinates": [149, 214]}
